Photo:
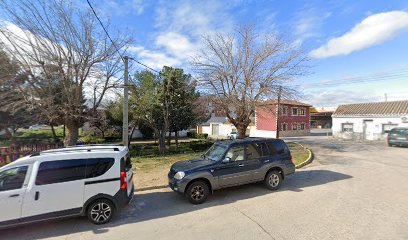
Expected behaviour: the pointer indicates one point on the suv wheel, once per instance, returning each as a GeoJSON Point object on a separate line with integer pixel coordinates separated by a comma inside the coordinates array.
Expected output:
{"type": "Point", "coordinates": [100, 211]}
{"type": "Point", "coordinates": [197, 192]}
{"type": "Point", "coordinates": [273, 180]}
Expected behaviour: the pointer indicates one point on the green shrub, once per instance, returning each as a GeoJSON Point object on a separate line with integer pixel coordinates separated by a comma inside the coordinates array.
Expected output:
{"type": "Point", "coordinates": [200, 146]}
{"type": "Point", "coordinates": [91, 139]}
{"type": "Point", "coordinates": [202, 136]}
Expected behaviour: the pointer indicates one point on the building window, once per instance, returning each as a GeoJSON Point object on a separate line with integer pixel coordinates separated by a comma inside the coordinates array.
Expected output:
{"type": "Point", "coordinates": [284, 111]}
{"type": "Point", "coordinates": [294, 126]}
{"type": "Point", "coordinates": [301, 112]}
{"type": "Point", "coordinates": [294, 111]}
{"type": "Point", "coordinates": [302, 126]}
{"type": "Point", "coordinates": [347, 127]}
{"type": "Point", "coordinates": [387, 127]}
{"type": "Point", "coordinates": [284, 127]}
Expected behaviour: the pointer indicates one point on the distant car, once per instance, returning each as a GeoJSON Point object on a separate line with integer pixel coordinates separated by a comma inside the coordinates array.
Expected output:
{"type": "Point", "coordinates": [230, 163]}
{"type": "Point", "coordinates": [37, 127]}
{"type": "Point", "coordinates": [398, 137]}
{"type": "Point", "coordinates": [232, 135]}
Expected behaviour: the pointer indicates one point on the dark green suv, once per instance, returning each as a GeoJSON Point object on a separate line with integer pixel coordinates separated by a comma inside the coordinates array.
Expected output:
{"type": "Point", "coordinates": [230, 163]}
{"type": "Point", "coordinates": [398, 137]}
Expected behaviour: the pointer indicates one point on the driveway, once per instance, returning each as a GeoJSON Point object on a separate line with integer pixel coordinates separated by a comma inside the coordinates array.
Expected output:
{"type": "Point", "coordinates": [351, 191]}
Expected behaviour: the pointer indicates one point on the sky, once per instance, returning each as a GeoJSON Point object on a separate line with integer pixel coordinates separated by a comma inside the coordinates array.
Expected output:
{"type": "Point", "coordinates": [358, 50]}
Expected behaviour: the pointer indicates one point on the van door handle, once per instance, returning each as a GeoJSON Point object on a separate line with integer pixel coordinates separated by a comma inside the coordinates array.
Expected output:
{"type": "Point", "coordinates": [241, 165]}
{"type": "Point", "coordinates": [37, 196]}
{"type": "Point", "coordinates": [14, 195]}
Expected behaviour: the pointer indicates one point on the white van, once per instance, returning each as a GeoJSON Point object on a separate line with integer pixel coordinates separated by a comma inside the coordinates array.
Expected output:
{"type": "Point", "coordinates": [90, 180]}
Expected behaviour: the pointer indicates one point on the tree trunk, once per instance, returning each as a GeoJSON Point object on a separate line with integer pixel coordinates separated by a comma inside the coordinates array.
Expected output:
{"type": "Point", "coordinates": [131, 134]}
{"type": "Point", "coordinates": [54, 136]}
{"type": "Point", "coordinates": [241, 131]}
{"type": "Point", "coordinates": [63, 132]}
{"type": "Point", "coordinates": [162, 142]}
{"type": "Point", "coordinates": [72, 136]}
{"type": "Point", "coordinates": [176, 135]}
{"type": "Point", "coordinates": [169, 140]}
{"type": "Point", "coordinates": [10, 136]}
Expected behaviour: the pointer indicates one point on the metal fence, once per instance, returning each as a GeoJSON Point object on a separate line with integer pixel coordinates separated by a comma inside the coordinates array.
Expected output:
{"type": "Point", "coordinates": [9, 154]}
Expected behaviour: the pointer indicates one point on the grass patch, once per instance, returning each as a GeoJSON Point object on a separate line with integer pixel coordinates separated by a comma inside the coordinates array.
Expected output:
{"type": "Point", "coordinates": [299, 154]}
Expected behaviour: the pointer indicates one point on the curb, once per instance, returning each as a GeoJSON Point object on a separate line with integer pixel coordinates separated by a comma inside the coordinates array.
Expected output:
{"type": "Point", "coordinates": [150, 188]}
{"type": "Point", "coordinates": [308, 160]}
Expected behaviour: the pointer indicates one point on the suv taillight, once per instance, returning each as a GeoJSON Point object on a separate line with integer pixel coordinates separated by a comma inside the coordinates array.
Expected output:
{"type": "Point", "coordinates": [123, 183]}
{"type": "Point", "coordinates": [291, 158]}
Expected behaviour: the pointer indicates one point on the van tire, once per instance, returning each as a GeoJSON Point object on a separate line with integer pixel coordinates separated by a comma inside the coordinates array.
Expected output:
{"type": "Point", "coordinates": [273, 180]}
{"type": "Point", "coordinates": [100, 211]}
{"type": "Point", "coordinates": [197, 192]}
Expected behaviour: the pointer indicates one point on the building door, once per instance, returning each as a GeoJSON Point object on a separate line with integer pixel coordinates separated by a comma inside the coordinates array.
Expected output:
{"type": "Point", "coordinates": [368, 130]}
{"type": "Point", "coordinates": [216, 129]}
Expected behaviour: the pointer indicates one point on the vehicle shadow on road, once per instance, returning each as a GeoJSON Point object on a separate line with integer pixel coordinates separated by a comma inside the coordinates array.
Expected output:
{"type": "Point", "coordinates": [164, 203]}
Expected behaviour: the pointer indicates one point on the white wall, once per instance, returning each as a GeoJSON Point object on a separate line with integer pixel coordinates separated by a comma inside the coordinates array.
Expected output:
{"type": "Point", "coordinates": [358, 126]}
{"type": "Point", "coordinates": [263, 133]}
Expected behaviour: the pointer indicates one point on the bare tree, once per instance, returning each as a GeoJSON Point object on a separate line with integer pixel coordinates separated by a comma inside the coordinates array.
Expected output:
{"type": "Point", "coordinates": [243, 69]}
{"type": "Point", "coordinates": [70, 62]}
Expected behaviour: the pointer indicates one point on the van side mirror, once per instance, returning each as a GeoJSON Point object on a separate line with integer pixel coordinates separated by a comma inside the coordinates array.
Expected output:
{"type": "Point", "coordinates": [227, 160]}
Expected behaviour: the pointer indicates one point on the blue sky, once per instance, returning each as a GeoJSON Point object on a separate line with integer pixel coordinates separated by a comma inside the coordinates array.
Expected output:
{"type": "Point", "coordinates": [346, 40]}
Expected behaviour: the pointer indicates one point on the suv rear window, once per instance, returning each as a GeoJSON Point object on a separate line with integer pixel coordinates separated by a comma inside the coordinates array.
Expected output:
{"type": "Point", "coordinates": [277, 147]}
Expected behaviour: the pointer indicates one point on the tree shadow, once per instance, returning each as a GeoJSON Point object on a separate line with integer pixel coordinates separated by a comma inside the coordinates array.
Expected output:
{"type": "Point", "coordinates": [163, 203]}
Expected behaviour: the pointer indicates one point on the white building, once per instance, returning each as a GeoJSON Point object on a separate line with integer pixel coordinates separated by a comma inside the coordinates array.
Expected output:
{"type": "Point", "coordinates": [219, 127]}
{"type": "Point", "coordinates": [369, 121]}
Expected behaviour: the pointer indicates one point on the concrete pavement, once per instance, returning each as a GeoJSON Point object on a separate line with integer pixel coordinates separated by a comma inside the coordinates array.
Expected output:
{"type": "Point", "coordinates": [351, 191]}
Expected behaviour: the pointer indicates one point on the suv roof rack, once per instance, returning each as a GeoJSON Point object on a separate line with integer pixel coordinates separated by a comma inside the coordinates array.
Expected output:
{"type": "Point", "coordinates": [102, 145]}
{"type": "Point", "coordinates": [74, 149]}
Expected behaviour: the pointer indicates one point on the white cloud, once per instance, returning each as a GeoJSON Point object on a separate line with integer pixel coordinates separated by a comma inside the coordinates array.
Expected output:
{"type": "Point", "coordinates": [373, 30]}
{"type": "Point", "coordinates": [154, 59]}
{"type": "Point", "coordinates": [137, 5]}
{"type": "Point", "coordinates": [176, 44]}
{"type": "Point", "coordinates": [193, 17]}
{"type": "Point", "coordinates": [308, 24]}
{"type": "Point", "coordinates": [179, 26]}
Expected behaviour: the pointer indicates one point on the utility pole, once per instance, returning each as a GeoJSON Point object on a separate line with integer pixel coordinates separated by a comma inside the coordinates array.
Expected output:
{"type": "Point", "coordinates": [125, 133]}
{"type": "Point", "coordinates": [278, 112]}
{"type": "Point", "coordinates": [385, 96]}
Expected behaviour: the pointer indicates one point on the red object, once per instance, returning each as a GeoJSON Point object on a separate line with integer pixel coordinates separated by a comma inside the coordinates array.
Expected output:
{"type": "Point", "coordinates": [291, 158]}
{"type": "Point", "coordinates": [266, 117]}
{"type": "Point", "coordinates": [123, 183]}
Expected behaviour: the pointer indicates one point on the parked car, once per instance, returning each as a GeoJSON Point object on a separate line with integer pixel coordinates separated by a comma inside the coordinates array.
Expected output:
{"type": "Point", "coordinates": [232, 135]}
{"type": "Point", "coordinates": [94, 181]}
{"type": "Point", "coordinates": [398, 137]}
{"type": "Point", "coordinates": [230, 163]}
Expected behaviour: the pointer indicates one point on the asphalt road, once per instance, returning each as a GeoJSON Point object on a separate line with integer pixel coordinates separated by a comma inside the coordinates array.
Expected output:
{"type": "Point", "coordinates": [351, 191]}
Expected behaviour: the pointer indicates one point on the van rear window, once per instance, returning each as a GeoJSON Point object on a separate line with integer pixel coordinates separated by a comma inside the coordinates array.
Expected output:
{"type": "Point", "coordinates": [126, 163]}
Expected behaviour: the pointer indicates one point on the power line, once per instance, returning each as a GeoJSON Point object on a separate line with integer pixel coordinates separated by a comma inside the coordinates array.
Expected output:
{"type": "Point", "coordinates": [357, 80]}
{"type": "Point", "coordinates": [104, 29]}
{"type": "Point", "coordinates": [144, 65]}
{"type": "Point", "coordinates": [113, 43]}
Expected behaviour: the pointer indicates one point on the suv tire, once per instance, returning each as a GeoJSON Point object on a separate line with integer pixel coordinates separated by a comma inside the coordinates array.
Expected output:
{"type": "Point", "coordinates": [197, 192]}
{"type": "Point", "coordinates": [100, 211]}
{"type": "Point", "coordinates": [273, 180]}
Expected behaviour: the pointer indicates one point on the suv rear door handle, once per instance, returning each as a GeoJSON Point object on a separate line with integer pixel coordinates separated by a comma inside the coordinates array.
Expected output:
{"type": "Point", "coordinates": [241, 165]}
{"type": "Point", "coordinates": [14, 195]}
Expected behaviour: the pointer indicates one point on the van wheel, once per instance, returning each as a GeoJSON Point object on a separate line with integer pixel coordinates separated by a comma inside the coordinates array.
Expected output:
{"type": "Point", "coordinates": [100, 211]}
{"type": "Point", "coordinates": [273, 180]}
{"type": "Point", "coordinates": [197, 192]}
